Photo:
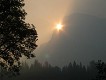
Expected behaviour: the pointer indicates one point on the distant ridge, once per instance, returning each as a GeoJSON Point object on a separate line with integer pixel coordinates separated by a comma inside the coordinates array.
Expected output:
{"type": "Point", "coordinates": [83, 40]}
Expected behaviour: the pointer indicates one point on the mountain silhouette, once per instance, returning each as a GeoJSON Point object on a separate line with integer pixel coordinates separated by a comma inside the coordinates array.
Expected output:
{"type": "Point", "coordinates": [83, 39]}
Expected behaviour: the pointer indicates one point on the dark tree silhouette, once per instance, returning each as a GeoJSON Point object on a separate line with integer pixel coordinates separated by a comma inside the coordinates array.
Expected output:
{"type": "Point", "coordinates": [17, 38]}
{"type": "Point", "coordinates": [46, 71]}
{"type": "Point", "coordinates": [101, 67]}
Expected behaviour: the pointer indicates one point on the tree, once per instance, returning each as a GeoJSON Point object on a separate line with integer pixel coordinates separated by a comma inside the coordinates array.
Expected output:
{"type": "Point", "coordinates": [17, 38]}
{"type": "Point", "coordinates": [101, 67]}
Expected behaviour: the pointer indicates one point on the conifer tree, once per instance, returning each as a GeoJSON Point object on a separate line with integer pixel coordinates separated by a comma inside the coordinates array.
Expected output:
{"type": "Point", "coordinates": [17, 38]}
{"type": "Point", "coordinates": [101, 69]}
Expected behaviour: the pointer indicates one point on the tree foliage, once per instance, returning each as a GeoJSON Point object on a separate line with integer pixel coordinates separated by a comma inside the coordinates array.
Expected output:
{"type": "Point", "coordinates": [17, 38]}
{"type": "Point", "coordinates": [101, 67]}
{"type": "Point", "coordinates": [46, 71]}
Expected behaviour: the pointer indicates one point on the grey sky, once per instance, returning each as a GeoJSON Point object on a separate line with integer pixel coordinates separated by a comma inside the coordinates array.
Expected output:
{"type": "Point", "coordinates": [44, 14]}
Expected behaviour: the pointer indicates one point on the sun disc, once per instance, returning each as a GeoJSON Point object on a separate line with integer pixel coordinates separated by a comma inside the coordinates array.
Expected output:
{"type": "Point", "coordinates": [59, 26]}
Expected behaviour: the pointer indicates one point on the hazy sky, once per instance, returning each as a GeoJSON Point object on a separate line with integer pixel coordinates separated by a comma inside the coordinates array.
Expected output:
{"type": "Point", "coordinates": [45, 14]}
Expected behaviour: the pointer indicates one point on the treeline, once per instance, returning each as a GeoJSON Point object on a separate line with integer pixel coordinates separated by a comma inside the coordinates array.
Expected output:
{"type": "Point", "coordinates": [45, 71]}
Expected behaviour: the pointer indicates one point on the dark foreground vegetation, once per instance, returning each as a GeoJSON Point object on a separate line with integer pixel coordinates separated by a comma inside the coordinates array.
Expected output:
{"type": "Point", "coordinates": [45, 71]}
{"type": "Point", "coordinates": [17, 38]}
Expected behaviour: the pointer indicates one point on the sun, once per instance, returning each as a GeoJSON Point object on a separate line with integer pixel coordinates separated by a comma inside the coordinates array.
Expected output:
{"type": "Point", "coordinates": [59, 26]}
